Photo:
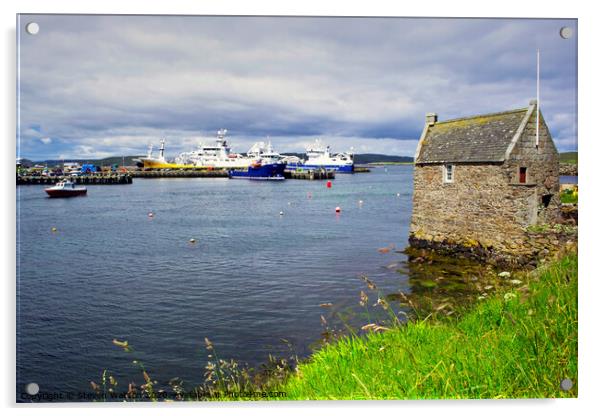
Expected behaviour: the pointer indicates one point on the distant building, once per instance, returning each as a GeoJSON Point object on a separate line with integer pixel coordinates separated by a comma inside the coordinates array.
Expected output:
{"type": "Point", "coordinates": [480, 181]}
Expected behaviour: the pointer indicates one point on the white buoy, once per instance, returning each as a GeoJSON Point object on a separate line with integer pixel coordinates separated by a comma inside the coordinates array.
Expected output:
{"type": "Point", "coordinates": [281, 212]}
{"type": "Point", "coordinates": [361, 202]}
{"type": "Point", "coordinates": [337, 209]}
{"type": "Point", "coordinates": [398, 194]}
{"type": "Point", "coordinates": [150, 215]}
{"type": "Point", "coordinates": [53, 229]}
{"type": "Point", "coordinates": [192, 240]}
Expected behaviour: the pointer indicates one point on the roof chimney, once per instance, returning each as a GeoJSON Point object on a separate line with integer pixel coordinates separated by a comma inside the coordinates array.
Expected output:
{"type": "Point", "coordinates": [431, 119]}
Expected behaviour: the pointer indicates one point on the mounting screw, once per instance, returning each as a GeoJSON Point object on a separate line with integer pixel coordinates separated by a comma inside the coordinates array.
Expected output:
{"type": "Point", "coordinates": [32, 389]}
{"type": "Point", "coordinates": [32, 28]}
{"type": "Point", "coordinates": [566, 32]}
{"type": "Point", "coordinates": [566, 384]}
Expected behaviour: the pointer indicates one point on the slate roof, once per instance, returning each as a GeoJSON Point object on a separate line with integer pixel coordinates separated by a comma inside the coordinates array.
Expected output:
{"type": "Point", "coordinates": [483, 138]}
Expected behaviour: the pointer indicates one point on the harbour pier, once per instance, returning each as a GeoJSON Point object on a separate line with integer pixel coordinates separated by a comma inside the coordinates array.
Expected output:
{"type": "Point", "coordinates": [111, 179]}
{"type": "Point", "coordinates": [180, 173]}
{"type": "Point", "coordinates": [315, 174]}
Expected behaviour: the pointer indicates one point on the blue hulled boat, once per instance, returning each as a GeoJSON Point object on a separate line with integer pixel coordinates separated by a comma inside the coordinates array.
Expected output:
{"type": "Point", "coordinates": [260, 172]}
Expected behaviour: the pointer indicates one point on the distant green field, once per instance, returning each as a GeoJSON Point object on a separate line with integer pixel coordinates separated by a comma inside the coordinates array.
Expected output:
{"type": "Point", "coordinates": [568, 157]}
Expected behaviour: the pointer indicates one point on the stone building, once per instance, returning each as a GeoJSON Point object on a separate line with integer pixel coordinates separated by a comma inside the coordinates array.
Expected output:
{"type": "Point", "coordinates": [481, 181]}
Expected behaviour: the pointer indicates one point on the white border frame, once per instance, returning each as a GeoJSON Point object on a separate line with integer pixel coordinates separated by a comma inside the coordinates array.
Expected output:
{"type": "Point", "coordinates": [590, 308]}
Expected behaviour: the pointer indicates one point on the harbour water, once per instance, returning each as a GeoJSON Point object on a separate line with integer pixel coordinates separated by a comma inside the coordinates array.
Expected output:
{"type": "Point", "coordinates": [252, 279]}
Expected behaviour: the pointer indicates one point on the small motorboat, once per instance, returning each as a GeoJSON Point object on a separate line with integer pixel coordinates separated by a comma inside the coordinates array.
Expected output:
{"type": "Point", "coordinates": [65, 189]}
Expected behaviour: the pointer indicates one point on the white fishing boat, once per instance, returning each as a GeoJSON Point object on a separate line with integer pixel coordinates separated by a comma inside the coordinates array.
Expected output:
{"type": "Point", "coordinates": [218, 155]}
{"type": "Point", "coordinates": [214, 155]}
{"type": "Point", "coordinates": [319, 156]}
{"type": "Point", "coordinates": [265, 152]}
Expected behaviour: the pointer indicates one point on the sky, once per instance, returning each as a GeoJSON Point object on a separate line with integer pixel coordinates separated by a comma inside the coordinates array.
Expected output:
{"type": "Point", "coordinates": [97, 86]}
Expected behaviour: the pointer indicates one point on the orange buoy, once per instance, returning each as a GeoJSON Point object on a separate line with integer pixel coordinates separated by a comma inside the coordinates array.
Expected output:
{"type": "Point", "coordinates": [329, 184]}
{"type": "Point", "coordinates": [337, 209]}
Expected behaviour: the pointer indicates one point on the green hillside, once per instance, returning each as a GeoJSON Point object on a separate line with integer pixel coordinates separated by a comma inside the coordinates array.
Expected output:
{"type": "Point", "coordinates": [568, 157]}
{"type": "Point", "coordinates": [107, 161]}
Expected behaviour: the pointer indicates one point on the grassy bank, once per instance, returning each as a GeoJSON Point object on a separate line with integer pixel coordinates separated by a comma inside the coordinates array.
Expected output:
{"type": "Point", "coordinates": [521, 343]}
{"type": "Point", "coordinates": [569, 196]}
{"type": "Point", "coordinates": [569, 157]}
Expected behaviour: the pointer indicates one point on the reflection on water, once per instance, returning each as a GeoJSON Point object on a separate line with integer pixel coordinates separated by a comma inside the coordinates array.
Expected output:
{"type": "Point", "coordinates": [434, 285]}
{"type": "Point", "coordinates": [446, 284]}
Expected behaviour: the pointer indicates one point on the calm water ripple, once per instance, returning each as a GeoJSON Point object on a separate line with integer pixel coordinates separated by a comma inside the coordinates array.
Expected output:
{"type": "Point", "coordinates": [252, 278]}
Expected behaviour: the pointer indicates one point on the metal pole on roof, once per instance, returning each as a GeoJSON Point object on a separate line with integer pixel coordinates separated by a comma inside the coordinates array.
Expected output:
{"type": "Point", "coordinates": [537, 119]}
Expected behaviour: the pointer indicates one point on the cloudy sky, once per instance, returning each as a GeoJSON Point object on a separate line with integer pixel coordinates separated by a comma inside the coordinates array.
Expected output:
{"type": "Point", "coordinates": [96, 86]}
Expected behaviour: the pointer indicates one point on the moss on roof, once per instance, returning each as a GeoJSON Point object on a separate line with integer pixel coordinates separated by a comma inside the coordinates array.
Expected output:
{"type": "Point", "coordinates": [481, 138]}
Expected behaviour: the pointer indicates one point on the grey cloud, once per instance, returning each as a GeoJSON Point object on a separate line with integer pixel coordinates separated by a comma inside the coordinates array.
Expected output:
{"type": "Point", "coordinates": [110, 84]}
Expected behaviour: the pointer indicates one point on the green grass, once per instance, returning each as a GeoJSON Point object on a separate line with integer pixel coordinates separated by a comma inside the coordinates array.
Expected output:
{"type": "Point", "coordinates": [518, 344]}
{"type": "Point", "coordinates": [569, 196]}
{"type": "Point", "coordinates": [568, 157]}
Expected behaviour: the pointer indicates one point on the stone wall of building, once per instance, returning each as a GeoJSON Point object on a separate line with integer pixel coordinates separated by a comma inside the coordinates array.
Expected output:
{"type": "Point", "coordinates": [542, 163]}
{"type": "Point", "coordinates": [479, 208]}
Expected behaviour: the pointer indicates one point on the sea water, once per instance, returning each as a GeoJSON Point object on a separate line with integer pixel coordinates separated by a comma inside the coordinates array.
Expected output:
{"type": "Point", "coordinates": [252, 282]}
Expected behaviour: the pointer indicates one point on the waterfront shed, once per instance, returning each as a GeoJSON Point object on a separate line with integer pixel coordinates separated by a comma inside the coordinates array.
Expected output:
{"type": "Point", "coordinates": [482, 180]}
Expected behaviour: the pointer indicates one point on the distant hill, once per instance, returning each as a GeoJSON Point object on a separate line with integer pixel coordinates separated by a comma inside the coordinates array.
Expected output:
{"type": "Point", "coordinates": [107, 161]}
{"type": "Point", "coordinates": [568, 157]}
{"type": "Point", "coordinates": [26, 163]}
{"type": "Point", "coordinates": [364, 158]}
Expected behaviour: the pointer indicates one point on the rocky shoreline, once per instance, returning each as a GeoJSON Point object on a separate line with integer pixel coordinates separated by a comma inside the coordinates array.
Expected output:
{"type": "Point", "coordinates": [540, 243]}
{"type": "Point", "coordinates": [568, 169]}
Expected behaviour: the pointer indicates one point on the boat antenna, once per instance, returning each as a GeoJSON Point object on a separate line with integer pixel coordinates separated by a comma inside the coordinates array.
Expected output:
{"type": "Point", "coordinates": [537, 104]}
{"type": "Point", "coordinates": [162, 148]}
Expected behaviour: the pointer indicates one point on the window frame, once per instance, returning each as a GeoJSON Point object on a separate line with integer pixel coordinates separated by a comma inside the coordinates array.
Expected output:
{"type": "Point", "coordinates": [520, 169]}
{"type": "Point", "coordinates": [449, 179]}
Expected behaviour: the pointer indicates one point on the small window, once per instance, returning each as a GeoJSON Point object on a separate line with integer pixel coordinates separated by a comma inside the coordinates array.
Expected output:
{"type": "Point", "coordinates": [522, 175]}
{"type": "Point", "coordinates": [448, 174]}
{"type": "Point", "coordinates": [545, 200]}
